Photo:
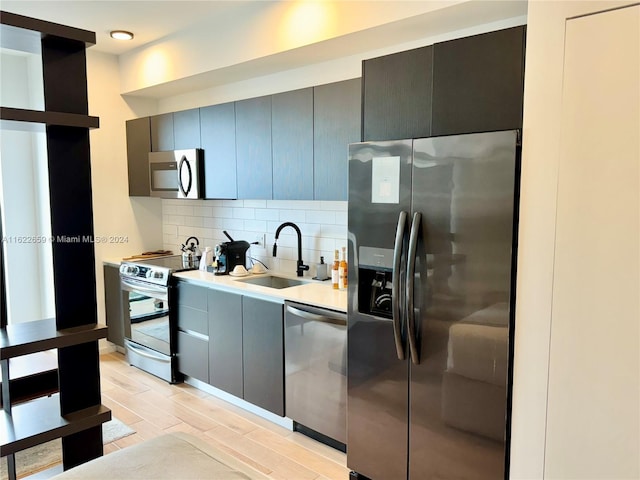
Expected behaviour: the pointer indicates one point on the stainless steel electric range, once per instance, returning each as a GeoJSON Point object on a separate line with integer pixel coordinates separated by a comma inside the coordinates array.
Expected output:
{"type": "Point", "coordinates": [150, 335]}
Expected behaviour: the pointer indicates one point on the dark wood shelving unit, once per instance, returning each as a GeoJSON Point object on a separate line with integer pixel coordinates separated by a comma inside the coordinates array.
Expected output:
{"type": "Point", "coordinates": [31, 337]}
{"type": "Point", "coordinates": [32, 414]}
{"type": "Point", "coordinates": [60, 119]}
{"type": "Point", "coordinates": [39, 421]}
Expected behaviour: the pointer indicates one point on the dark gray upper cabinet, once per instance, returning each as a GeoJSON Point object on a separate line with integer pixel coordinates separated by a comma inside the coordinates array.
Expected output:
{"type": "Point", "coordinates": [138, 148]}
{"type": "Point", "coordinates": [218, 139]}
{"type": "Point", "coordinates": [225, 341]}
{"type": "Point", "coordinates": [478, 83]}
{"type": "Point", "coordinates": [336, 124]}
{"type": "Point", "coordinates": [186, 129]}
{"type": "Point", "coordinates": [162, 132]}
{"type": "Point", "coordinates": [292, 144]}
{"type": "Point", "coordinates": [253, 148]}
{"type": "Point", "coordinates": [263, 354]}
{"type": "Point", "coordinates": [397, 95]}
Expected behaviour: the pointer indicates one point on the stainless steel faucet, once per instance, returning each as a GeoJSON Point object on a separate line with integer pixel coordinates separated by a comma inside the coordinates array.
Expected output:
{"type": "Point", "coordinates": [301, 267]}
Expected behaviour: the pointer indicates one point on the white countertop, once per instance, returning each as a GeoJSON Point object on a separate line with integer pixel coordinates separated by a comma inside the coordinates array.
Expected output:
{"type": "Point", "coordinates": [312, 292]}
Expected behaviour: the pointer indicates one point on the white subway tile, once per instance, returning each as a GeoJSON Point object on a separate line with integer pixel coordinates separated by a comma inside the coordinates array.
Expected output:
{"type": "Point", "coordinates": [267, 214]}
{"type": "Point", "coordinates": [341, 218]}
{"type": "Point", "coordinates": [321, 216]}
{"type": "Point", "coordinates": [292, 215]}
{"type": "Point", "coordinates": [246, 213]}
{"type": "Point", "coordinates": [255, 203]}
{"type": "Point", "coordinates": [335, 206]}
{"type": "Point", "coordinates": [334, 231]}
{"type": "Point", "coordinates": [258, 226]}
{"type": "Point", "coordinates": [169, 229]}
{"type": "Point", "coordinates": [203, 211]}
{"type": "Point", "coordinates": [223, 212]}
{"type": "Point", "coordinates": [232, 203]}
{"type": "Point", "coordinates": [193, 221]}
{"type": "Point", "coordinates": [176, 219]}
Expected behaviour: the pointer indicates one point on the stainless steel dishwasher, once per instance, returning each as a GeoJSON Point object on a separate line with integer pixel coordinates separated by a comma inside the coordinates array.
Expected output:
{"type": "Point", "coordinates": [316, 372]}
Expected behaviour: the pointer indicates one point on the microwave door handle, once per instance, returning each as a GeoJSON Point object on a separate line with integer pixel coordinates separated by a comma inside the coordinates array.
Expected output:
{"type": "Point", "coordinates": [183, 162]}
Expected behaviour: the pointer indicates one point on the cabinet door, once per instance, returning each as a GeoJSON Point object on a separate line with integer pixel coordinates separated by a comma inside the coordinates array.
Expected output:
{"type": "Point", "coordinates": [162, 132]}
{"type": "Point", "coordinates": [113, 305]}
{"type": "Point", "coordinates": [192, 356]}
{"type": "Point", "coordinates": [186, 129]}
{"type": "Point", "coordinates": [138, 148]}
{"type": "Point", "coordinates": [397, 95]}
{"type": "Point", "coordinates": [478, 83]}
{"type": "Point", "coordinates": [225, 341]}
{"type": "Point", "coordinates": [191, 305]}
{"type": "Point", "coordinates": [253, 148]}
{"type": "Point", "coordinates": [218, 139]}
{"type": "Point", "coordinates": [292, 144]}
{"type": "Point", "coordinates": [263, 354]}
{"type": "Point", "coordinates": [336, 124]}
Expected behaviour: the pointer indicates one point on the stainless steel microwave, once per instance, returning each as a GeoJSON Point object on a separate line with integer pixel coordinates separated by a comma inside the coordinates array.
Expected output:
{"type": "Point", "coordinates": [176, 173]}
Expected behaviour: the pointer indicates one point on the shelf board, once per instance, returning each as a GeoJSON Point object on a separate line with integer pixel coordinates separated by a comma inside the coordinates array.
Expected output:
{"type": "Point", "coordinates": [31, 337]}
{"type": "Point", "coordinates": [45, 28]}
{"type": "Point", "coordinates": [39, 421]}
{"type": "Point", "coordinates": [9, 115]}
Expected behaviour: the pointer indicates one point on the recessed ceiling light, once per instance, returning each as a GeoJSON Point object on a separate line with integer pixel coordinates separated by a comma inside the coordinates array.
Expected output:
{"type": "Point", "coordinates": [121, 35]}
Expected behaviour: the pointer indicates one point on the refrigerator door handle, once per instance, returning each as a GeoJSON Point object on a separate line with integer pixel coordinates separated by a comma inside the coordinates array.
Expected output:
{"type": "Point", "coordinates": [411, 268]}
{"type": "Point", "coordinates": [395, 284]}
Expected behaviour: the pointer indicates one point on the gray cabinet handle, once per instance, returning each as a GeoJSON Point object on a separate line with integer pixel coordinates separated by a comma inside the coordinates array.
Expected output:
{"type": "Point", "coordinates": [411, 268]}
{"type": "Point", "coordinates": [317, 318]}
{"type": "Point", "coordinates": [395, 285]}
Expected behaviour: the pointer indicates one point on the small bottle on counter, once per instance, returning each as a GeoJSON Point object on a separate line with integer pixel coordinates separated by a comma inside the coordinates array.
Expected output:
{"type": "Point", "coordinates": [342, 270]}
{"type": "Point", "coordinates": [335, 273]}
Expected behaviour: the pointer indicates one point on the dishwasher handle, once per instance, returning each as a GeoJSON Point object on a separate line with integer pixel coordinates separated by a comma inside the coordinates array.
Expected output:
{"type": "Point", "coordinates": [338, 320]}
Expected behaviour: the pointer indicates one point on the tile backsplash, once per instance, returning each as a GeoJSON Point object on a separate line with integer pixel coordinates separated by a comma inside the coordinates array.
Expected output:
{"type": "Point", "coordinates": [323, 226]}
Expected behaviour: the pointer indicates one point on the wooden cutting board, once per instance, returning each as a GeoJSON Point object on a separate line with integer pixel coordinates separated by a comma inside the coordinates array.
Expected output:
{"type": "Point", "coordinates": [154, 254]}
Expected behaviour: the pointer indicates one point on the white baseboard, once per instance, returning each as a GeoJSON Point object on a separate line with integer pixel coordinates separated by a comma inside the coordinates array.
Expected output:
{"type": "Point", "coordinates": [239, 402]}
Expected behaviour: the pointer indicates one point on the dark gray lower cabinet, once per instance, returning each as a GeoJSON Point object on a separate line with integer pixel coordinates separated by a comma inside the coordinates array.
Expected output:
{"type": "Point", "coordinates": [192, 354]}
{"type": "Point", "coordinates": [232, 342]}
{"type": "Point", "coordinates": [113, 305]}
{"type": "Point", "coordinates": [193, 331]}
{"type": "Point", "coordinates": [263, 354]}
{"type": "Point", "coordinates": [225, 341]}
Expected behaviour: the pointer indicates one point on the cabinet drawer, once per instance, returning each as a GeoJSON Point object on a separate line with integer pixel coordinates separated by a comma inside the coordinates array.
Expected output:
{"type": "Point", "coordinates": [192, 320]}
{"type": "Point", "coordinates": [192, 356]}
{"type": "Point", "coordinates": [192, 296]}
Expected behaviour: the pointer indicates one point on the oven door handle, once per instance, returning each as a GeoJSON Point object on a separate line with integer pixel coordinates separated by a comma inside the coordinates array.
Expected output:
{"type": "Point", "coordinates": [144, 353]}
{"type": "Point", "coordinates": [133, 285]}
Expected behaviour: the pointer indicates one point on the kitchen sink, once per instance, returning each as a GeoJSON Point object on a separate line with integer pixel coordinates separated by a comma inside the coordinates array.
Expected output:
{"type": "Point", "coordinates": [273, 282]}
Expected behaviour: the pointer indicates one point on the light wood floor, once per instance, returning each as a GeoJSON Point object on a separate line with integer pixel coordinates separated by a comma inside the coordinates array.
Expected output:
{"type": "Point", "coordinates": [152, 407]}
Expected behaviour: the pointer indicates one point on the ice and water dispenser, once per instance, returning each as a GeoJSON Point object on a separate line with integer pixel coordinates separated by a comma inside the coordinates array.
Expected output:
{"type": "Point", "coordinates": [375, 272]}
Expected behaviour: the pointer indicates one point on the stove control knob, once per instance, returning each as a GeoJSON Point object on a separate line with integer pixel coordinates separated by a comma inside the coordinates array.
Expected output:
{"type": "Point", "coordinates": [132, 270]}
{"type": "Point", "coordinates": [159, 275]}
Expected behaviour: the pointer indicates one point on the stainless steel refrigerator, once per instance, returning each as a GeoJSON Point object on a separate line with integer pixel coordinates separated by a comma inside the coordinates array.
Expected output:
{"type": "Point", "coordinates": [431, 275]}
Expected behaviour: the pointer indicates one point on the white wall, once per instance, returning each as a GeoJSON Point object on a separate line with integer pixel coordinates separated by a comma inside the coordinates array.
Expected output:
{"type": "Point", "coordinates": [139, 220]}
{"type": "Point", "coordinates": [540, 161]}
{"type": "Point", "coordinates": [24, 194]}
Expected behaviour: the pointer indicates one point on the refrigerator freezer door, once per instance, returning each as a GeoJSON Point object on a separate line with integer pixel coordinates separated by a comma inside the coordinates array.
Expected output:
{"type": "Point", "coordinates": [377, 382]}
{"type": "Point", "coordinates": [464, 188]}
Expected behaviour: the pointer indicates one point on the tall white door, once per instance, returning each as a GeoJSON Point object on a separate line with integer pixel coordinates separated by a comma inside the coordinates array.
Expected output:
{"type": "Point", "coordinates": [593, 424]}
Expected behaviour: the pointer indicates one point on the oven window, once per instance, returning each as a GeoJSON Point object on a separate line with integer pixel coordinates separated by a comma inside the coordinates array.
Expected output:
{"type": "Point", "coordinates": [164, 180]}
{"type": "Point", "coordinates": [149, 322]}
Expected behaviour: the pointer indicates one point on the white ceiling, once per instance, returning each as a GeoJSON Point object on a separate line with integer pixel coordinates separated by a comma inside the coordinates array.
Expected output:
{"type": "Point", "coordinates": [148, 20]}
